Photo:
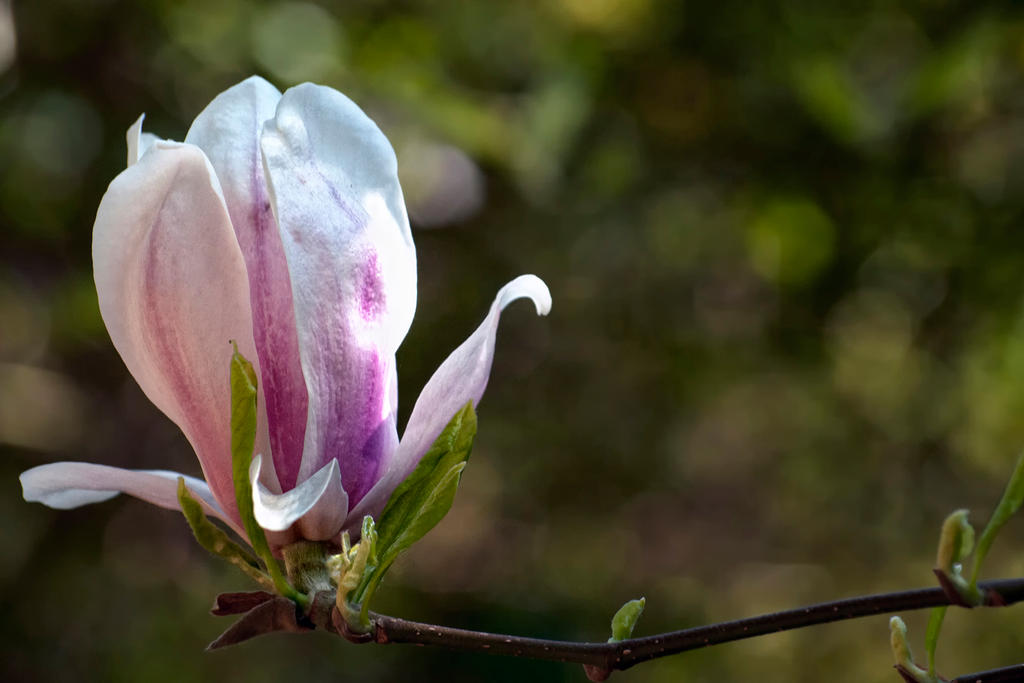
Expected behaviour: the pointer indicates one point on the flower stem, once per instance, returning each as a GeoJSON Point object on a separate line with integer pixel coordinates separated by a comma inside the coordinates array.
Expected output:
{"type": "Point", "coordinates": [305, 566]}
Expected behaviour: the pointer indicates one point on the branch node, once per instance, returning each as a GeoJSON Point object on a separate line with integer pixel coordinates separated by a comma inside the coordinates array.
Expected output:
{"type": "Point", "coordinates": [905, 675]}
{"type": "Point", "coordinates": [950, 589]}
{"type": "Point", "coordinates": [342, 628]}
{"type": "Point", "coordinates": [321, 606]}
{"type": "Point", "coordinates": [994, 598]}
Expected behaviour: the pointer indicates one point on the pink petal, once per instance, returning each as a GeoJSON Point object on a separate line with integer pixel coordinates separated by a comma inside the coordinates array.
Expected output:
{"type": "Point", "coordinates": [317, 507]}
{"type": "Point", "coordinates": [173, 292]}
{"type": "Point", "coordinates": [460, 378]}
{"type": "Point", "coordinates": [334, 188]}
{"type": "Point", "coordinates": [66, 485]}
{"type": "Point", "coordinates": [228, 132]}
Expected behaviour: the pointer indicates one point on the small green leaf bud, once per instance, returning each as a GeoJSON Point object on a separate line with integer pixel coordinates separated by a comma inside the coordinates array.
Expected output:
{"type": "Point", "coordinates": [625, 620]}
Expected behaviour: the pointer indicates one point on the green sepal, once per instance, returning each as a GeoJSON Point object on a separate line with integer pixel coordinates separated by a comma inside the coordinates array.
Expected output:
{"type": "Point", "coordinates": [243, 440]}
{"type": "Point", "coordinates": [215, 540]}
{"type": "Point", "coordinates": [625, 620]}
{"type": "Point", "coordinates": [421, 500]}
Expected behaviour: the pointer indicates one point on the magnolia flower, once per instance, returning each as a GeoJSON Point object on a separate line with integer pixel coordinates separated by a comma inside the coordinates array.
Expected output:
{"type": "Point", "coordinates": [278, 224]}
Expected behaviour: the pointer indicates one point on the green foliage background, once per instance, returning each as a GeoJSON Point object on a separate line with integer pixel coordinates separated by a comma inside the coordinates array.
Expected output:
{"type": "Point", "coordinates": [784, 243]}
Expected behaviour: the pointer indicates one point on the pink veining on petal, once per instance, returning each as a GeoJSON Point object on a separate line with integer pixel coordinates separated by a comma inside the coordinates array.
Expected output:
{"type": "Point", "coordinates": [372, 302]}
{"type": "Point", "coordinates": [228, 131]}
{"type": "Point", "coordinates": [160, 308]}
{"type": "Point", "coordinates": [277, 341]}
{"type": "Point", "coordinates": [356, 422]}
{"type": "Point", "coordinates": [334, 187]}
{"type": "Point", "coordinates": [362, 466]}
{"type": "Point", "coordinates": [355, 414]}
{"type": "Point", "coordinates": [356, 430]}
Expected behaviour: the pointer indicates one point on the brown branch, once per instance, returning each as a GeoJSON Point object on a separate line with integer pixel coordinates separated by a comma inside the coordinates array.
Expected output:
{"type": "Point", "coordinates": [600, 659]}
{"type": "Point", "coordinates": [1003, 675]}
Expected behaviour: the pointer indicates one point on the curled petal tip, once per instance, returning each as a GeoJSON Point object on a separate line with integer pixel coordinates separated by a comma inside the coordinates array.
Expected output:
{"type": "Point", "coordinates": [461, 377]}
{"type": "Point", "coordinates": [319, 504]}
{"type": "Point", "coordinates": [138, 142]}
{"type": "Point", "coordinates": [526, 286]}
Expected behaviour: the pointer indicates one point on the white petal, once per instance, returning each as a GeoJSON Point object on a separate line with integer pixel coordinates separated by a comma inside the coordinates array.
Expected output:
{"type": "Point", "coordinates": [334, 188]}
{"type": "Point", "coordinates": [66, 485]}
{"type": "Point", "coordinates": [138, 142]}
{"type": "Point", "coordinates": [462, 377]}
{"type": "Point", "coordinates": [317, 507]}
{"type": "Point", "coordinates": [173, 292]}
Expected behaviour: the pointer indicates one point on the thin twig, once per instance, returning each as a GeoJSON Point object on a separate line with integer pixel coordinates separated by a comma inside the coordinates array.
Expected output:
{"type": "Point", "coordinates": [600, 659]}
{"type": "Point", "coordinates": [1003, 675]}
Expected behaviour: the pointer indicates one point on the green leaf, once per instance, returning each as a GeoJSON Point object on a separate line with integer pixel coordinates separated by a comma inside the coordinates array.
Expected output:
{"type": "Point", "coordinates": [625, 620]}
{"type": "Point", "coordinates": [1008, 505]}
{"type": "Point", "coordinates": [426, 495]}
{"type": "Point", "coordinates": [243, 440]}
{"type": "Point", "coordinates": [931, 636]}
{"type": "Point", "coordinates": [368, 536]}
{"type": "Point", "coordinates": [215, 540]}
{"type": "Point", "coordinates": [422, 500]}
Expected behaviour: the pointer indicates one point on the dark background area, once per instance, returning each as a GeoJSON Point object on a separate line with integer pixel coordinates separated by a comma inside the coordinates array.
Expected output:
{"type": "Point", "coordinates": [784, 243]}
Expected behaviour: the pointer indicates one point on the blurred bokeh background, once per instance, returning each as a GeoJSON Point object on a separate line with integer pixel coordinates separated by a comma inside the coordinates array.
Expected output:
{"type": "Point", "coordinates": [785, 246]}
